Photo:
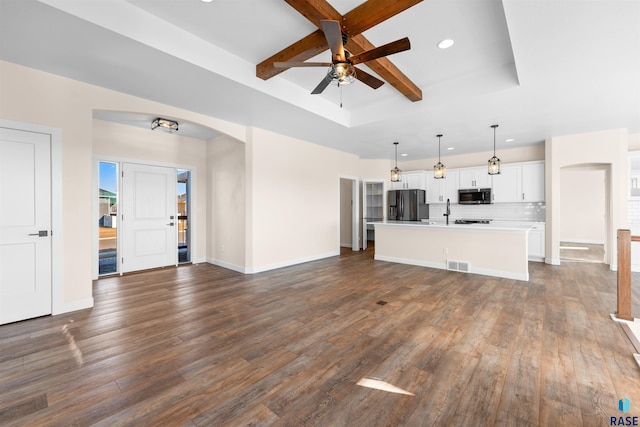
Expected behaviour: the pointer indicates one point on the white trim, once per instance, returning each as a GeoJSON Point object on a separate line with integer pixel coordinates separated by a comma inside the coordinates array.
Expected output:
{"type": "Point", "coordinates": [74, 306]}
{"type": "Point", "coordinates": [443, 266]}
{"type": "Point", "coordinates": [355, 244]}
{"type": "Point", "coordinates": [227, 265]}
{"type": "Point", "coordinates": [291, 263]}
{"type": "Point", "coordinates": [552, 261]}
{"type": "Point", "coordinates": [57, 234]}
{"type": "Point", "coordinates": [584, 241]}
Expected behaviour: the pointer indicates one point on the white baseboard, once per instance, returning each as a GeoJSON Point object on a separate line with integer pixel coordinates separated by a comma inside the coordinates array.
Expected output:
{"type": "Point", "coordinates": [260, 269]}
{"type": "Point", "coordinates": [443, 266]}
{"type": "Point", "coordinates": [68, 307]}
{"type": "Point", "coordinates": [227, 265]}
{"type": "Point", "coordinates": [552, 261]}
{"type": "Point", "coordinates": [585, 241]}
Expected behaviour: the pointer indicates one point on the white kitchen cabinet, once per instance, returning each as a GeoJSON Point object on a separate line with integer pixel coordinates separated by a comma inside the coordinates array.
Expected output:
{"type": "Point", "coordinates": [533, 182]}
{"type": "Point", "coordinates": [411, 180]}
{"type": "Point", "coordinates": [474, 178]}
{"type": "Point", "coordinates": [507, 186]}
{"type": "Point", "coordinates": [537, 242]}
{"type": "Point", "coordinates": [439, 190]}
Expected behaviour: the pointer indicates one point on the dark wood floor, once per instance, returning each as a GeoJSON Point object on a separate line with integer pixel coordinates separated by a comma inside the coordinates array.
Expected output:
{"type": "Point", "coordinates": [201, 345]}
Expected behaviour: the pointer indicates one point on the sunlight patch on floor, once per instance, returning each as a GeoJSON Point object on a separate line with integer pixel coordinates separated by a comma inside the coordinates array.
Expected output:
{"type": "Point", "coordinates": [382, 385]}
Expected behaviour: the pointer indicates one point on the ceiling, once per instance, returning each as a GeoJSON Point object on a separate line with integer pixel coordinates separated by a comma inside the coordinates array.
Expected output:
{"type": "Point", "coordinates": [538, 68]}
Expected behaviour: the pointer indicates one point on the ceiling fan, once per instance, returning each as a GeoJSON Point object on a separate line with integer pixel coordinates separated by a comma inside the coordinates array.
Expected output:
{"type": "Point", "coordinates": [363, 17]}
{"type": "Point", "coordinates": [342, 70]}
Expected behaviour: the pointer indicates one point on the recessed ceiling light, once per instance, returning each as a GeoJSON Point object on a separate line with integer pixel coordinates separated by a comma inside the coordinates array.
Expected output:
{"type": "Point", "coordinates": [509, 140]}
{"type": "Point", "coordinates": [206, 1]}
{"type": "Point", "coordinates": [404, 154]}
{"type": "Point", "coordinates": [451, 148]}
{"type": "Point", "coordinates": [446, 43]}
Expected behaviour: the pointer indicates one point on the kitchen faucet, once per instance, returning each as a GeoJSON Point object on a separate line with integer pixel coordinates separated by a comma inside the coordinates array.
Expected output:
{"type": "Point", "coordinates": [448, 212]}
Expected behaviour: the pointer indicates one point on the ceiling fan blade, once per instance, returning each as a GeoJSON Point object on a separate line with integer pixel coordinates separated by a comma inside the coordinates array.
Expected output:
{"type": "Point", "coordinates": [292, 64]}
{"type": "Point", "coordinates": [334, 37]}
{"type": "Point", "coordinates": [384, 50]}
{"type": "Point", "coordinates": [321, 86]}
{"type": "Point", "coordinates": [368, 79]}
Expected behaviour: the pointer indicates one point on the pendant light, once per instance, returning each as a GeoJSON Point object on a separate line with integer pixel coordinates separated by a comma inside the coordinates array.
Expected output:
{"type": "Point", "coordinates": [439, 170]}
{"type": "Point", "coordinates": [395, 172]}
{"type": "Point", "coordinates": [494, 162]}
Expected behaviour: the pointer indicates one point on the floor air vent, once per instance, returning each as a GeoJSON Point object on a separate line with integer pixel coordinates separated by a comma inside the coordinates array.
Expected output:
{"type": "Point", "coordinates": [458, 266]}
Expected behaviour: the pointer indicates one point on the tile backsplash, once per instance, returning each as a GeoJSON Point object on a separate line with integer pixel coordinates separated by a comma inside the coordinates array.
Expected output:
{"type": "Point", "coordinates": [534, 212]}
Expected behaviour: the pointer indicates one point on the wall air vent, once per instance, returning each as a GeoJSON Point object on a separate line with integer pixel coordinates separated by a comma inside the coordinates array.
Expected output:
{"type": "Point", "coordinates": [458, 266]}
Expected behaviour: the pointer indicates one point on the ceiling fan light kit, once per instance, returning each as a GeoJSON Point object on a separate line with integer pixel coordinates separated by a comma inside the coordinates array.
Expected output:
{"type": "Point", "coordinates": [342, 74]}
{"type": "Point", "coordinates": [395, 172]}
{"type": "Point", "coordinates": [342, 70]}
{"type": "Point", "coordinates": [166, 125]}
{"type": "Point", "coordinates": [494, 162]}
{"type": "Point", "coordinates": [439, 170]}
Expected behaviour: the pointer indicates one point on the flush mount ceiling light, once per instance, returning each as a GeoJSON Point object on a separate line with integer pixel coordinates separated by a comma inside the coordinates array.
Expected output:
{"type": "Point", "coordinates": [164, 124]}
{"type": "Point", "coordinates": [395, 172]}
{"type": "Point", "coordinates": [439, 170]}
{"type": "Point", "coordinates": [445, 44]}
{"type": "Point", "coordinates": [494, 162]}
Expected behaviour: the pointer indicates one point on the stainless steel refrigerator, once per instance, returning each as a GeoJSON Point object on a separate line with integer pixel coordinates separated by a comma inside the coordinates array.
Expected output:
{"type": "Point", "coordinates": [407, 205]}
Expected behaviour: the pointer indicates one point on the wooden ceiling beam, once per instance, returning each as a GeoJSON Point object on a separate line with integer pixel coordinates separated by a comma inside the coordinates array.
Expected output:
{"type": "Point", "coordinates": [372, 12]}
{"type": "Point", "coordinates": [315, 11]}
{"type": "Point", "coordinates": [384, 68]}
{"type": "Point", "coordinates": [302, 50]}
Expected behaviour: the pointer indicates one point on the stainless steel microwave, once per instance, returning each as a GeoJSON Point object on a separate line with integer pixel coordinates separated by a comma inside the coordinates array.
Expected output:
{"type": "Point", "coordinates": [474, 196]}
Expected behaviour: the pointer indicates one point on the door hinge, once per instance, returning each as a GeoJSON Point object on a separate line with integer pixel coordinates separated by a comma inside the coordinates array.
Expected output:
{"type": "Point", "coordinates": [122, 261]}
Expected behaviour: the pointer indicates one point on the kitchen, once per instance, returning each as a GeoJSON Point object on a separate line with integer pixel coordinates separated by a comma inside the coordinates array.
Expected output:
{"type": "Point", "coordinates": [468, 221]}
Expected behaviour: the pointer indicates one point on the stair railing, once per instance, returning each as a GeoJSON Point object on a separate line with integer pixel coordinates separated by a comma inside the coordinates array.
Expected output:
{"type": "Point", "coordinates": [624, 273]}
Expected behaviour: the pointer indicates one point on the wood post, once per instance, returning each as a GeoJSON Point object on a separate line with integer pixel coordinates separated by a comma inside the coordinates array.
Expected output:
{"type": "Point", "coordinates": [624, 275]}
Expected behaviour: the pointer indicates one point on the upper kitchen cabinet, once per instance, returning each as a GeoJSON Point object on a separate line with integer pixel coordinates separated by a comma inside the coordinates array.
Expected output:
{"type": "Point", "coordinates": [439, 190]}
{"type": "Point", "coordinates": [507, 186]}
{"type": "Point", "coordinates": [474, 178]}
{"type": "Point", "coordinates": [533, 182]}
{"type": "Point", "coordinates": [411, 180]}
{"type": "Point", "coordinates": [519, 183]}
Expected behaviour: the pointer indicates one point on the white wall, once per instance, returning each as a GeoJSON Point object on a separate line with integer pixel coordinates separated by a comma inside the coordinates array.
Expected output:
{"type": "Point", "coordinates": [510, 155]}
{"type": "Point", "coordinates": [226, 203]}
{"type": "Point", "coordinates": [582, 205]}
{"type": "Point", "coordinates": [294, 199]}
{"type": "Point", "coordinates": [606, 149]}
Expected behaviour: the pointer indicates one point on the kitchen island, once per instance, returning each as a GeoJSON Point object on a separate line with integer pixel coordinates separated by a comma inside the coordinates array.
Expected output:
{"type": "Point", "coordinates": [492, 250]}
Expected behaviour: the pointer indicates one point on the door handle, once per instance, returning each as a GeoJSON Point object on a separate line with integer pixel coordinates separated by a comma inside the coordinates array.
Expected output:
{"type": "Point", "coordinates": [170, 224]}
{"type": "Point", "coordinates": [41, 233]}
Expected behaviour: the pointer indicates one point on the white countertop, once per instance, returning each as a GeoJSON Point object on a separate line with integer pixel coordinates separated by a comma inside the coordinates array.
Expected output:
{"type": "Point", "coordinates": [498, 226]}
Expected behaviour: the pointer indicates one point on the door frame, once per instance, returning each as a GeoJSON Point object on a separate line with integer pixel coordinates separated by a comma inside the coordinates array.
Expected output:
{"type": "Point", "coordinates": [97, 158]}
{"type": "Point", "coordinates": [355, 244]}
{"type": "Point", "coordinates": [57, 292]}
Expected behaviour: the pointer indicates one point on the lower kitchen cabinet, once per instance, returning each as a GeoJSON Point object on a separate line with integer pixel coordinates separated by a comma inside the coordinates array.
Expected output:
{"type": "Point", "coordinates": [537, 242]}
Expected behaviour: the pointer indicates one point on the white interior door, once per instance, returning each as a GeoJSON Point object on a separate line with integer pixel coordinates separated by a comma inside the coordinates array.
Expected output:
{"type": "Point", "coordinates": [149, 217]}
{"type": "Point", "coordinates": [25, 225]}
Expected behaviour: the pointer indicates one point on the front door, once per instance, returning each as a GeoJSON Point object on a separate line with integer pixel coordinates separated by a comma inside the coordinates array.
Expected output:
{"type": "Point", "coordinates": [25, 225]}
{"type": "Point", "coordinates": [149, 217]}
